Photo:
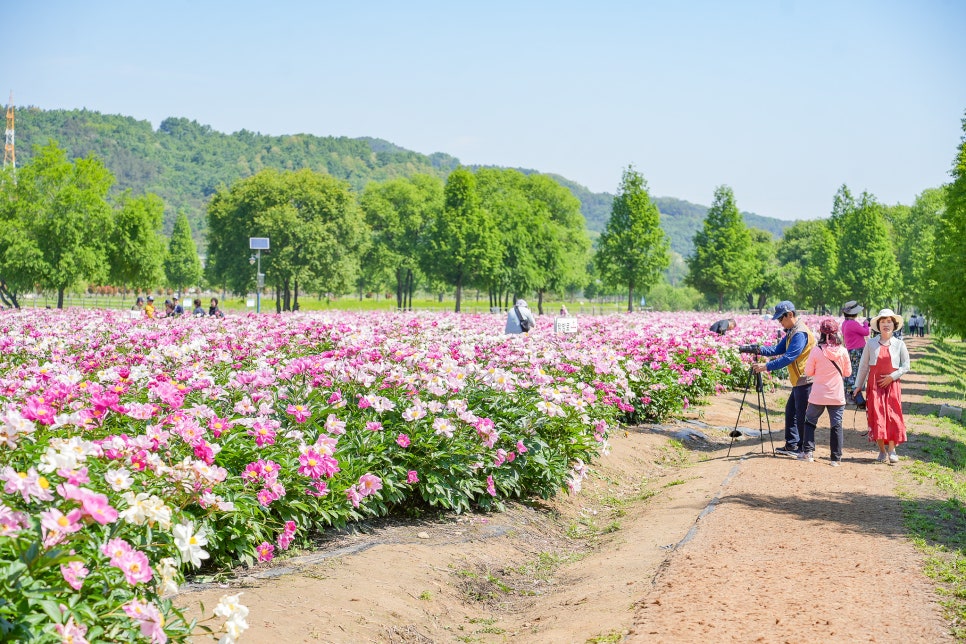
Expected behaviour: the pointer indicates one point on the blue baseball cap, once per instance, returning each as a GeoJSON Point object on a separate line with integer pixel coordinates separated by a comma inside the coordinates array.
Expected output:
{"type": "Point", "coordinates": [782, 308]}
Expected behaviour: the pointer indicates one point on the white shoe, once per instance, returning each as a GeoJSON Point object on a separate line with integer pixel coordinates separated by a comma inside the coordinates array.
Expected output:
{"type": "Point", "coordinates": [893, 457]}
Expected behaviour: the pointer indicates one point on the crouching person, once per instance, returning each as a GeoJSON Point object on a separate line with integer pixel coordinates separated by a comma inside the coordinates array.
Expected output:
{"type": "Point", "coordinates": [828, 364]}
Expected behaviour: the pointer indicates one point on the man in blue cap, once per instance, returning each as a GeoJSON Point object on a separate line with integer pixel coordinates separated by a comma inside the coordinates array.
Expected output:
{"type": "Point", "coordinates": [792, 352]}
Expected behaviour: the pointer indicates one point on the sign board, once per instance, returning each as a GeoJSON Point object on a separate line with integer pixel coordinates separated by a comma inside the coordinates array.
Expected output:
{"type": "Point", "coordinates": [258, 243]}
{"type": "Point", "coordinates": [250, 302]}
{"type": "Point", "coordinates": [261, 280]}
{"type": "Point", "coordinates": [565, 325]}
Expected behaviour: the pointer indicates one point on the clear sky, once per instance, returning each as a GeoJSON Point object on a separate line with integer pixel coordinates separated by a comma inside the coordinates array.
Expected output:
{"type": "Point", "coordinates": [783, 100]}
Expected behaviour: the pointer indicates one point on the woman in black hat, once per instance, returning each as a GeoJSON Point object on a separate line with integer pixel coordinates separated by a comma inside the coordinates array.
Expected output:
{"type": "Point", "coordinates": [854, 335]}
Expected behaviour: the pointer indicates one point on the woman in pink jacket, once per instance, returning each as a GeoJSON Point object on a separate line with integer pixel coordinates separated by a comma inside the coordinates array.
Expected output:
{"type": "Point", "coordinates": [828, 364]}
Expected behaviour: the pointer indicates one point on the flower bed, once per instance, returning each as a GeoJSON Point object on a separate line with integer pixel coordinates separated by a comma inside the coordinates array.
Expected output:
{"type": "Point", "coordinates": [133, 451]}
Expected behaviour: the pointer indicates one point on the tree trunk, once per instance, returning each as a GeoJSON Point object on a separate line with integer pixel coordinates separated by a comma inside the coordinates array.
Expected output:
{"type": "Point", "coordinates": [459, 293]}
{"type": "Point", "coordinates": [295, 296]}
{"type": "Point", "coordinates": [400, 289]}
{"type": "Point", "coordinates": [278, 301]}
{"type": "Point", "coordinates": [720, 302]}
{"type": "Point", "coordinates": [60, 298]}
{"type": "Point", "coordinates": [630, 297]}
{"type": "Point", "coordinates": [540, 301]}
{"type": "Point", "coordinates": [410, 287]}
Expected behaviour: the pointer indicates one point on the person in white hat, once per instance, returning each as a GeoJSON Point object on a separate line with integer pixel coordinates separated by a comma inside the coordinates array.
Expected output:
{"type": "Point", "coordinates": [885, 359]}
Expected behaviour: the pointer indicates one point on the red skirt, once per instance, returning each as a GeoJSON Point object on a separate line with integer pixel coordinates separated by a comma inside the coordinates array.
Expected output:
{"type": "Point", "coordinates": [884, 404]}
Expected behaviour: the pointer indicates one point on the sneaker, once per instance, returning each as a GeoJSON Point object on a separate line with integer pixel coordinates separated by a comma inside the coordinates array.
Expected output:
{"type": "Point", "coordinates": [893, 458]}
{"type": "Point", "coordinates": [881, 458]}
{"type": "Point", "coordinates": [787, 451]}
{"type": "Point", "coordinates": [806, 456]}
{"type": "Point", "coordinates": [835, 463]}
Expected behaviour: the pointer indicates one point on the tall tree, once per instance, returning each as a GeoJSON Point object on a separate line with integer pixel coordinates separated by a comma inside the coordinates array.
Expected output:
{"type": "Point", "coordinates": [315, 226]}
{"type": "Point", "coordinates": [65, 206]}
{"type": "Point", "coordinates": [810, 250]}
{"type": "Point", "coordinates": [398, 212]}
{"type": "Point", "coordinates": [871, 273]}
{"type": "Point", "coordinates": [182, 267]}
{"type": "Point", "coordinates": [722, 264]}
{"type": "Point", "coordinates": [20, 258]}
{"type": "Point", "coordinates": [633, 249]}
{"type": "Point", "coordinates": [461, 244]}
{"type": "Point", "coordinates": [561, 245]}
{"type": "Point", "coordinates": [136, 251]}
{"type": "Point", "coordinates": [947, 298]}
{"type": "Point", "coordinates": [916, 245]}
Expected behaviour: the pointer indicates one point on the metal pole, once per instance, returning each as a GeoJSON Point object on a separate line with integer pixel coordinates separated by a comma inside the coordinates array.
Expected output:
{"type": "Point", "coordinates": [258, 287]}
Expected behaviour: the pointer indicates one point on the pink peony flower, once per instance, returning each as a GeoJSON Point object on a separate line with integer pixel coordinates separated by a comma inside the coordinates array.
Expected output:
{"type": "Point", "coordinates": [412, 477]}
{"type": "Point", "coordinates": [74, 573]}
{"type": "Point", "coordinates": [266, 551]}
{"type": "Point", "coordinates": [490, 486]}
{"type": "Point", "coordinates": [402, 440]}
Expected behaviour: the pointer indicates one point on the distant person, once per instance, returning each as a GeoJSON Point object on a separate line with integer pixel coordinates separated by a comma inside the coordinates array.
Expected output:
{"type": "Point", "coordinates": [723, 326]}
{"type": "Point", "coordinates": [519, 319]}
{"type": "Point", "coordinates": [922, 325]}
{"type": "Point", "coordinates": [213, 309]}
{"type": "Point", "coordinates": [178, 309]}
{"type": "Point", "coordinates": [138, 304]}
{"type": "Point", "coordinates": [168, 308]}
{"type": "Point", "coordinates": [149, 307]}
{"type": "Point", "coordinates": [827, 364]}
{"type": "Point", "coordinates": [854, 335]}
{"type": "Point", "coordinates": [885, 359]}
{"type": "Point", "coordinates": [563, 311]}
{"type": "Point", "coordinates": [198, 311]}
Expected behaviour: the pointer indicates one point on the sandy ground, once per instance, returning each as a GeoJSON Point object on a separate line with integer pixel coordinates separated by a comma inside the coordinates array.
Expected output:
{"type": "Point", "coordinates": [670, 541]}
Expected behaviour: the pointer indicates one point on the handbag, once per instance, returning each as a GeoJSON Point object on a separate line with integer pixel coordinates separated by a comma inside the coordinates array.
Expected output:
{"type": "Point", "coordinates": [524, 322]}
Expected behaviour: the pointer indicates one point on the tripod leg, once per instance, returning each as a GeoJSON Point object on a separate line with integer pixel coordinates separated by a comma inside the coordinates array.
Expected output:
{"type": "Point", "coordinates": [762, 404]}
{"type": "Point", "coordinates": [735, 433]}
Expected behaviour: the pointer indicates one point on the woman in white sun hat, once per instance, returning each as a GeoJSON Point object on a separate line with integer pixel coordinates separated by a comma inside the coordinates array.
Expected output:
{"type": "Point", "coordinates": [885, 359]}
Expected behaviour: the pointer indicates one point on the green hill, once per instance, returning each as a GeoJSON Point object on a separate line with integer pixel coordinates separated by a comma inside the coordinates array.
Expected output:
{"type": "Point", "coordinates": [185, 162]}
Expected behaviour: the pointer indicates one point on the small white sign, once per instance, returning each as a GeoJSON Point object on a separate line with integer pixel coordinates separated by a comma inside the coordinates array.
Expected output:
{"type": "Point", "coordinates": [565, 325]}
{"type": "Point", "coordinates": [250, 302]}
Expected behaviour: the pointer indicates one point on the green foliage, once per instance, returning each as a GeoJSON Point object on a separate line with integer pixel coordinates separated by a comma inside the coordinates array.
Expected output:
{"type": "Point", "coordinates": [136, 251]}
{"type": "Point", "coordinates": [871, 273]}
{"type": "Point", "coordinates": [181, 265]}
{"type": "Point", "coordinates": [315, 225]}
{"type": "Point", "coordinates": [462, 244]}
{"type": "Point", "coordinates": [398, 213]}
{"type": "Point", "coordinates": [63, 218]}
{"type": "Point", "coordinates": [633, 249]}
{"type": "Point", "coordinates": [947, 286]}
{"type": "Point", "coordinates": [810, 251]}
{"type": "Point", "coordinates": [722, 263]}
{"type": "Point", "coordinates": [916, 243]}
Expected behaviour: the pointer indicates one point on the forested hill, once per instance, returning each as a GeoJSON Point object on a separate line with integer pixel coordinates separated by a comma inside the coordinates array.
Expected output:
{"type": "Point", "coordinates": [185, 162]}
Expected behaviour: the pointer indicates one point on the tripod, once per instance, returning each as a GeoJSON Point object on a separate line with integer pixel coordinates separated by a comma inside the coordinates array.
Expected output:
{"type": "Point", "coordinates": [762, 405]}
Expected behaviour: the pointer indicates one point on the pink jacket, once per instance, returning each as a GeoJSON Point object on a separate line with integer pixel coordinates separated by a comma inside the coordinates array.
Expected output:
{"type": "Point", "coordinates": [827, 385]}
{"type": "Point", "coordinates": [854, 334]}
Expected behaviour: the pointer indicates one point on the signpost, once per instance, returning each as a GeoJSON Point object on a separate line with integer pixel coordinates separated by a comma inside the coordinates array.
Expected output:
{"type": "Point", "coordinates": [258, 244]}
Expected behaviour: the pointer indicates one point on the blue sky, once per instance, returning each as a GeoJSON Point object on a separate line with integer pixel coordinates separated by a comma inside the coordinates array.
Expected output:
{"type": "Point", "coordinates": [783, 100]}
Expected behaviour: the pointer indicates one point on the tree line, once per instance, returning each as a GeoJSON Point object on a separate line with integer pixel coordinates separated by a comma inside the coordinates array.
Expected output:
{"type": "Point", "coordinates": [498, 231]}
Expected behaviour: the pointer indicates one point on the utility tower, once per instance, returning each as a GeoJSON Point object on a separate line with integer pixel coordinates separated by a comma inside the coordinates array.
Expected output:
{"type": "Point", "coordinates": [9, 152]}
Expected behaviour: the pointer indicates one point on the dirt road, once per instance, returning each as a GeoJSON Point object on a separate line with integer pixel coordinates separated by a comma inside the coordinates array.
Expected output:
{"type": "Point", "coordinates": [670, 541]}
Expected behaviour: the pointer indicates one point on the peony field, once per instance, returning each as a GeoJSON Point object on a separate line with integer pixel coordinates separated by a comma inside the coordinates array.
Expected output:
{"type": "Point", "coordinates": [135, 453]}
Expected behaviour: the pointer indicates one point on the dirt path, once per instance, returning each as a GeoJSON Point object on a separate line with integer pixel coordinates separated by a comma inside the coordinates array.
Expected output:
{"type": "Point", "coordinates": [669, 542]}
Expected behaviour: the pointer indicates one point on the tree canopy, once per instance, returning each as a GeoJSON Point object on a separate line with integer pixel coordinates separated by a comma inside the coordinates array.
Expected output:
{"type": "Point", "coordinates": [633, 249]}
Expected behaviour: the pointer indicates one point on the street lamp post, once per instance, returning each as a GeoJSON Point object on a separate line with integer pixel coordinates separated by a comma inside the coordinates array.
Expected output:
{"type": "Point", "coordinates": [258, 244]}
